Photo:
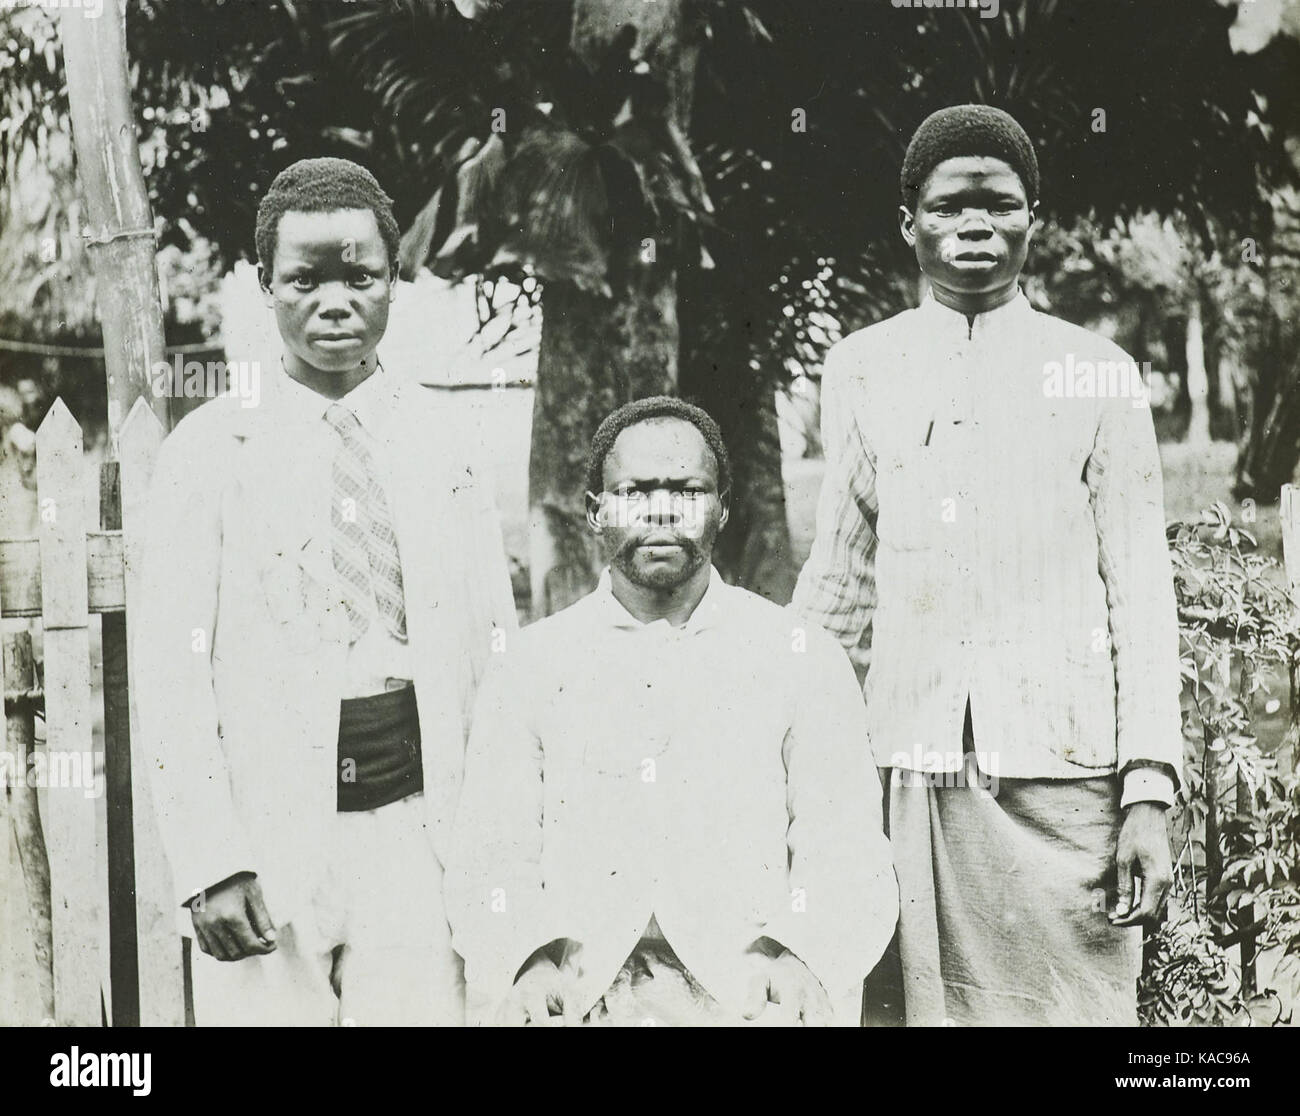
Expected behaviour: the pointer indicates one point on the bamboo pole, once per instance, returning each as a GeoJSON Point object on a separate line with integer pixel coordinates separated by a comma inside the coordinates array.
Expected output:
{"type": "Point", "coordinates": [121, 242]}
{"type": "Point", "coordinates": [120, 235]}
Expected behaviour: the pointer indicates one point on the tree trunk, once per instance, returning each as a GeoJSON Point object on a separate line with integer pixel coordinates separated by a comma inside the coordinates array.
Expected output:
{"type": "Point", "coordinates": [1270, 448]}
{"type": "Point", "coordinates": [1198, 423]}
{"type": "Point", "coordinates": [716, 317]}
{"type": "Point", "coordinates": [1172, 335]}
{"type": "Point", "coordinates": [1218, 374]}
{"type": "Point", "coordinates": [597, 353]}
{"type": "Point", "coordinates": [754, 551]}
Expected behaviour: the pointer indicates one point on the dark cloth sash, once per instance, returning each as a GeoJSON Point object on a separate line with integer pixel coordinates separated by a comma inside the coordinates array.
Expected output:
{"type": "Point", "coordinates": [379, 750]}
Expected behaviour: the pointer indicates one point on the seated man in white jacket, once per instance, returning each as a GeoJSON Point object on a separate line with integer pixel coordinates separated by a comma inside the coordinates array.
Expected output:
{"type": "Point", "coordinates": [670, 814]}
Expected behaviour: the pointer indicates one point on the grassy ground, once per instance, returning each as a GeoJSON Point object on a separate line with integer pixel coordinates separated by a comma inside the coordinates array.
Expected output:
{"type": "Point", "coordinates": [1196, 476]}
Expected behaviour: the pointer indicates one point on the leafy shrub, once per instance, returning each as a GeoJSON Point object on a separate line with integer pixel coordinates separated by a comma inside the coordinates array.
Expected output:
{"type": "Point", "coordinates": [1237, 828]}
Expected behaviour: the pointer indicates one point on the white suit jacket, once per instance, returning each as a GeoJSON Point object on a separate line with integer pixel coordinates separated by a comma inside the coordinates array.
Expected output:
{"type": "Point", "coordinates": [716, 776]}
{"type": "Point", "coordinates": [240, 648]}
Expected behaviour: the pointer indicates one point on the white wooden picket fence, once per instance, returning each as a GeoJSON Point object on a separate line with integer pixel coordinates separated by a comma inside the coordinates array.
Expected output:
{"type": "Point", "coordinates": [87, 920]}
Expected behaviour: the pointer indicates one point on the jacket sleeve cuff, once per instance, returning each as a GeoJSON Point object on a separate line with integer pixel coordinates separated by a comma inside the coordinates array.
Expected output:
{"type": "Point", "coordinates": [1146, 784]}
{"type": "Point", "coordinates": [195, 875]}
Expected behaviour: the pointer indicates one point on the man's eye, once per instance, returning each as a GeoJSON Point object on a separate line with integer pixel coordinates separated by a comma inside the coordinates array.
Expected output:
{"type": "Point", "coordinates": [362, 279]}
{"type": "Point", "coordinates": [302, 282]}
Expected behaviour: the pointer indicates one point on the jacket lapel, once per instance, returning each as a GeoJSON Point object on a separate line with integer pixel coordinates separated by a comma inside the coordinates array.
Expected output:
{"type": "Point", "coordinates": [427, 540]}
{"type": "Point", "coordinates": [417, 499]}
{"type": "Point", "coordinates": [275, 483]}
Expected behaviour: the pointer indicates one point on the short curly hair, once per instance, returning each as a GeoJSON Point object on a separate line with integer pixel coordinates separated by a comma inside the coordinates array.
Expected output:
{"type": "Point", "coordinates": [647, 410]}
{"type": "Point", "coordinates": [967, 130]}
{"type": "Point", "coordinates": [323, 186]}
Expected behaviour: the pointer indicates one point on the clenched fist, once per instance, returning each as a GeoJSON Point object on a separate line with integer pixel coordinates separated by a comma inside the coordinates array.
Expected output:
{"type": "Point", "coordinates": [231, 921]}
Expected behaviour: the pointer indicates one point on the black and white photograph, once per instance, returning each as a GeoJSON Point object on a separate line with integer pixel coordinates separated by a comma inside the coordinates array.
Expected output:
{"type": "Point", "coordinates": [651, 513]}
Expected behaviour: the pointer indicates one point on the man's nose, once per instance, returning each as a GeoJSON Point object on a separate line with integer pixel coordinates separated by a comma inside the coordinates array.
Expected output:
{"type": "Point", "coordinates": [975, 225]}
{"type": "Point", "coordinates": [663, 507]}
{"type": "Point", "coordinates": [335, 302]}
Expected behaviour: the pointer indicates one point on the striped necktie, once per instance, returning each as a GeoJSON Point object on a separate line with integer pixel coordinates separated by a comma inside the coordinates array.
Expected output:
{"type": "Point", "coordinates": [364, 541]}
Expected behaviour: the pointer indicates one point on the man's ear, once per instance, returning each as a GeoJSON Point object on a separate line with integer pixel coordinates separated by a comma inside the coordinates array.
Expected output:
{"type": "Point", "coordinates": [724, 498]}
{"type": "Point", "coordinates": [1033, 222]}
{"type": "Point", "coordinates": [264, 281]}
{"type": "Point", "coordinates": [593, 513]}
{"type": "Point", "coordinates": [394, 274]}
{"type": "Point", "coordinates": [907, 225]}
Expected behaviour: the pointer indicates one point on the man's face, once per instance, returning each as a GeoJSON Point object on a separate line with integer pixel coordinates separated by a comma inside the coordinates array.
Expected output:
{"type": "Point", "coordinates": [661, 510]}
{"type": "Point", "coordinates": [972, 225]}
{"type": "Point", "coordinates": [330, 287]}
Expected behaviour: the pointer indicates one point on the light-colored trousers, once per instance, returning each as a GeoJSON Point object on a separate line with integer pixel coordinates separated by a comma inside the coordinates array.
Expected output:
{"type": "Point", "coordinates": [372, 949]}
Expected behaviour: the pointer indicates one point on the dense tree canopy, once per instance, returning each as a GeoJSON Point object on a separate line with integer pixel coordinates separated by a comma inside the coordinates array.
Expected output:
{"type": "Point", "coordinates": [230, 90]}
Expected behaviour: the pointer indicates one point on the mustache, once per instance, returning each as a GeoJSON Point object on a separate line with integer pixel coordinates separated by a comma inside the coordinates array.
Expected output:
{"type": "Point", "coordinates": [629, 545]}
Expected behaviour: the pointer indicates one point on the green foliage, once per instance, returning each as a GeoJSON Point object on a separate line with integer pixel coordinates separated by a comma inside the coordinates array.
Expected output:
{"type": "Point", "coordinates": [1237, 829]}
{"type": "Point", "coordinates": [1187, 979]}
{"type": "Point", "coordinates": [804, 229]}
{"type": "Point", "coordinates": [33, 97]}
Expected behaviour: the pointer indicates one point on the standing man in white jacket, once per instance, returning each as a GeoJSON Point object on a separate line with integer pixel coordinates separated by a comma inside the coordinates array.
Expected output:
{"type": "Point", "coordinates": [325, 580]}
{"type": "Point", "coordinates": [670, 813]}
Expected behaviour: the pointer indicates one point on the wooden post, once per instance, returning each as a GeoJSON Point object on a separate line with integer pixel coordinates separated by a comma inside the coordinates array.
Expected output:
{"type": "Point", "coordinates": [1242, 805]}
{"type": "Point", "coordinates": [1213, 855]}
{"type": "Point", "coordinates": [1289, 513]}
{"type": "Point", "coordinates": [1222, 668]}
{"type": "Point", "coordinates": [79, 891]}
{"type": "Point", "coordinates": [160, 964]}
{"type": "Point", "coordinates": [122, 947]}
{"type": "Point", "coordinates": [120, 235]}
{"type": "Point", "coordinates": [26, 948]}
{"type": "Point", "coordinates": [1246, 915]}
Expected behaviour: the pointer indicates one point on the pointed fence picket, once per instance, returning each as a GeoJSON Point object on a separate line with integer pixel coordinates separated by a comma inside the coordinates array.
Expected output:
{"type": "Point", "coordinates": [79, 893]}
{"type": "Point", "coordinates": [98, 937]}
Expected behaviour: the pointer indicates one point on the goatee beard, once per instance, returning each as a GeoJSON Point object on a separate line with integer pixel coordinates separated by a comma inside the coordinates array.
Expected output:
{"type": "Point", "coordinates": [625, 560]}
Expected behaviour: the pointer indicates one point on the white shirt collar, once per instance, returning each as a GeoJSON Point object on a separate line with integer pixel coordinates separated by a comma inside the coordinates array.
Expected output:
{"type": "Point", "coordinates": [942, 319]}
{"type": "Point", "coordinates": [708, 613]}
{"type": "Point", "coordinates": [371, 401]}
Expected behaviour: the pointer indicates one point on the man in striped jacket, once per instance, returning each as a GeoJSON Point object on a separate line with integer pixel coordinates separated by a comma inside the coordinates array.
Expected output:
{"type": "Point", "coordinates": [990, 544]}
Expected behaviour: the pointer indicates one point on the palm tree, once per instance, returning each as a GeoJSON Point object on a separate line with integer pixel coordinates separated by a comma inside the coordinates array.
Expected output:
{"type": "Point", "coordinates": [574, 169]}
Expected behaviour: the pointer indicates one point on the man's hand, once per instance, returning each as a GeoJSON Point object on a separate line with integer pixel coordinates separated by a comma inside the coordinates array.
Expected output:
{"type": "Point", "coordinates": [781, 978]}
{"type": "Point", "coordinates": [541, 997]}
{"type": "Point", "coordinates": [1144, 862]}
{"type": "Point", "coordinates": [231, 921]}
